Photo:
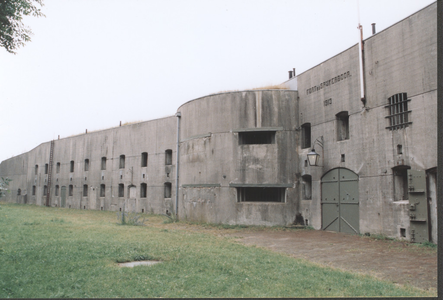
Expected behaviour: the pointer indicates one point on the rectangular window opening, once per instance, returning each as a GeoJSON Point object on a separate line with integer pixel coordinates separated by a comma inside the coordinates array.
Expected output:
{"type": "Point", "coordinates": [57, 169]}
{"type": "Point", "coordinates": [71, 190]}
{"type": "Point", "coordinates": [121, 190]}
{"type": "Point", "coordinates": [71, 166]}
{"type": "Point", "coordinates": [168, 190]}
{"type": "Point", "coordinates": [256, 137]}
{"type": "Point", "coordinates": [103, 166]}
{"type": "Point", "coordinates": [85, 190]}
{"type": "Point", "coordinates": [143, 190]}
{"type": "Point", "coordinates": [342, 126]}
{"type": "Point", "coordinates": [46, 168]}
{"type": "Point", "coordinates": [33, 190]}
{"type": "Point", "coordinates": [86, 165]}
{"type": "Point", "coordinates": [400, 183]}
{"type": "Point", "coordinates": [306, 135]}
{"type": "Point", "coordinates": [307, 187]}
{"type": "Point", "coordinates": [168, 157]}
{"type": "Point", "coordinates": [260, 194]}
{"type": "Point", "coordinates": [102, 190]}
{"type": "Point", "coordinates": [36, 169]}
{"type": "Point", "coordinates": [402, 232]}
{"type": "Point", "coordinates": [57, 188]}
{"type": "Point", "coordinates": [122, 162]}
{"type": "Point", "coordinates": [144, 159]}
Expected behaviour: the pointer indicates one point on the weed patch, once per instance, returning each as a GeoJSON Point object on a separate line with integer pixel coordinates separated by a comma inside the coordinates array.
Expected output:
{"type": "Point", "coordinates": [130, 218]}
{"type": "Point", "coordinates": [427, 245]}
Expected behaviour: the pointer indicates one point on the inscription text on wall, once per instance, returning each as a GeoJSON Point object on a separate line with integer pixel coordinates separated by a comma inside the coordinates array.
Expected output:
{"type": "Point", "coordinates": [328, 102]}
{"type": "Point", "coordinates": [328, 82]}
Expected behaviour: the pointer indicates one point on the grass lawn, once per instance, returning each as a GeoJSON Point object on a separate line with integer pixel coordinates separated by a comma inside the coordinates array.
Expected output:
{"type": "Point", "coordinates": [54, 252]}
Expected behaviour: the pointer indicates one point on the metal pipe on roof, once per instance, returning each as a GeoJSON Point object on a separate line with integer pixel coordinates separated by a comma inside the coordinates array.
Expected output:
{"type": "Point", "coordinates": [177, 161]}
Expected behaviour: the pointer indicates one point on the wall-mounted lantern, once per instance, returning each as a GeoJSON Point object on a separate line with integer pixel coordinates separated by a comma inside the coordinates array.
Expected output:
{"type": "Point", "coordinates": [314, 157]}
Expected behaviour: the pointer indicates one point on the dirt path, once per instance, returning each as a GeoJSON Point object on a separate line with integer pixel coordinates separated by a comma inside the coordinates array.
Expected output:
{"type": "Point", "coordinates": [394, 261]}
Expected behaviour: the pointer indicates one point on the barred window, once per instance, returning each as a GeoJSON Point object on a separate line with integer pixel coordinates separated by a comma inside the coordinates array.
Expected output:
{"type": "Point", "coordinates": [398, 111]}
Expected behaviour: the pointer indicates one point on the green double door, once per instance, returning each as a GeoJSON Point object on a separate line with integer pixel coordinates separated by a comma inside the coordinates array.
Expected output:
{"type": "Point", "coordinates": [339, 200]}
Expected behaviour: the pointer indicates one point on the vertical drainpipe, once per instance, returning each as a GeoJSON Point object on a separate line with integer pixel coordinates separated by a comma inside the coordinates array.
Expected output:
{"type": "Point", "coordinates": [362, 66]}
{"type": "Point", "coordinates": [177, 161]}
{"type": "Point", "coordinates": [361, 54]}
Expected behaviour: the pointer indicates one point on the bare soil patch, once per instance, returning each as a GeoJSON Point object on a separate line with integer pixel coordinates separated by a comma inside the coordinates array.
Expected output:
{"type": "Point", "coordinates": [391, 260]}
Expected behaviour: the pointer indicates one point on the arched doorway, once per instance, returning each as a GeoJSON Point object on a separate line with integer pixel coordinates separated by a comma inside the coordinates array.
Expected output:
{"type": "Point", "coordinates": [340, 201]}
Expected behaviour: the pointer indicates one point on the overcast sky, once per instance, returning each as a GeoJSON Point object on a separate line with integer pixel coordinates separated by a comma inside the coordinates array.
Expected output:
{"type": "Point", "coordinates": [94, 63]}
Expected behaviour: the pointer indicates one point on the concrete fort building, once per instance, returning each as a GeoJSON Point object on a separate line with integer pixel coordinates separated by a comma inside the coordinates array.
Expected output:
{"type": "Point", "coordinates": [241, 157]}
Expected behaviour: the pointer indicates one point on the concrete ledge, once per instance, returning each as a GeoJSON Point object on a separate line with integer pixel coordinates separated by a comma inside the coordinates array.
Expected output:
{"type": "Point", "coordinates": [275, 185]}
{"type": "Point", "coordinates": [258, 129]}
{"type": "Point", "coordinates": [203, 185]}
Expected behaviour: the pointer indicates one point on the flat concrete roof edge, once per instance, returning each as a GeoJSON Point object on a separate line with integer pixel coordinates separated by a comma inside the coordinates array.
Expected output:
{"type": "Point", "coordinates": [231, 92]}
{"type": "Point", "coordinates": [401, 20]}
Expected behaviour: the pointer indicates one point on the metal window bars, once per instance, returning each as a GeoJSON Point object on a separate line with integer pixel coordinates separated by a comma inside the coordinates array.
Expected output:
{"type": "Point", "coordinates": [398, 111]}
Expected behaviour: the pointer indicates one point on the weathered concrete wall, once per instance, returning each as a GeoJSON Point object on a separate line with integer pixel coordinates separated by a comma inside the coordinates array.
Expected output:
{"type": "Point", "coordinates": [153, 137]}
{"type": "Point", "coordinates": [407, 65]}
{"type": "Point", "coordinates": [326, 90]}
{"type": "Point", "coordinates": [16, 169]}
{"type": "Point", "coordinates": [400, 59]}
{"type": "Point", "coordinates": [216, 165]}
{"type": "Point", "coordinates": [213, 162]}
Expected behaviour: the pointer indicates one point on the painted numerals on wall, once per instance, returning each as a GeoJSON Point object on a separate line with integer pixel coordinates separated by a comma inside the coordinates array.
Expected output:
{"type": "Point", "coordinates": [327, 102]}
